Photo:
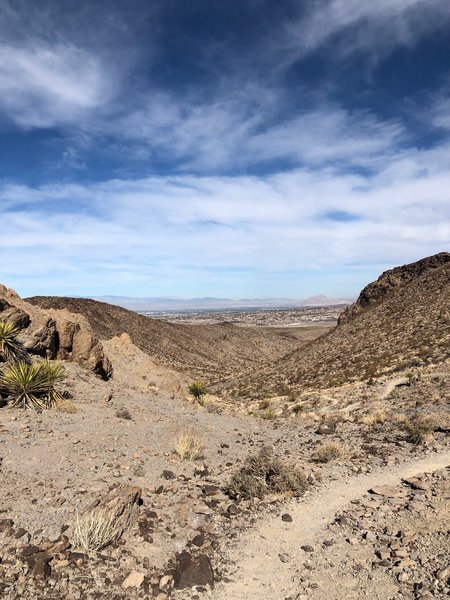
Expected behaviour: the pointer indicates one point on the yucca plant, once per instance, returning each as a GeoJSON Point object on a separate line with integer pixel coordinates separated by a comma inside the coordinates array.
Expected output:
{"type": "Point", "coordinates": [197, 389]}
{"type": "Point", "coordinates": [11, 349]}
{"type": "Point", "coordinates": [32, 385]}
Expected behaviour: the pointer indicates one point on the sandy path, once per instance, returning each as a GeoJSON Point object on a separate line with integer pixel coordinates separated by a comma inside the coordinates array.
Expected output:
{"type": "Point", "coordinates": [259, 572]}
{"type": "Point", "coordinates": [390, 386]}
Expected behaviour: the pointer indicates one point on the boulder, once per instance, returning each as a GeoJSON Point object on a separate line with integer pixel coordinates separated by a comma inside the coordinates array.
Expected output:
{"type": "Point", "coordinates": [193, 570]}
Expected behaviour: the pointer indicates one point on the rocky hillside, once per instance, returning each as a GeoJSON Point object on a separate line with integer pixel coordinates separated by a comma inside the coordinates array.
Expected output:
{"type": "Point", "coordinates": [210, 352]}
{"type": "Point", "coordinates": [402, 320]}
{"type": "Point", "coordinates": [390, 281]}
{"type": "Point", "coordinates": [55, 333]}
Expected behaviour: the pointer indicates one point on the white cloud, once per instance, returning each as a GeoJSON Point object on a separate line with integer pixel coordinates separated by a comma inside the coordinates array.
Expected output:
{"type": "Point", "coordinates": [375, 26]}
{"type": "Point", "coordinates": [43, 85]}
{"type": "Point", "coordinates": [247, 127]}
{"type": "Point", "coordinates": [153, 234]}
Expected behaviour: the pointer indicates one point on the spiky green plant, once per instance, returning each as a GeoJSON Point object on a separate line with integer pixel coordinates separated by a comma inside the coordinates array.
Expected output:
{"type": "Point", "coordinates": [32, 385]}
{"type": "Point", "coordinates": [197, 389]}
{"type": "Point", "coordinates": [11, 349]}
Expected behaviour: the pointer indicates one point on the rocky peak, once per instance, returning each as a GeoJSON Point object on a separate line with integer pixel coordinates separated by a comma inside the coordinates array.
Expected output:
{"type": "Point", "coordinates": [376, 292]}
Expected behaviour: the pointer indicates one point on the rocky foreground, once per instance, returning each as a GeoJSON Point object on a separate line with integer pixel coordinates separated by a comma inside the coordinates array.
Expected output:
{"type": "Point", "coordinates": [186, 535]}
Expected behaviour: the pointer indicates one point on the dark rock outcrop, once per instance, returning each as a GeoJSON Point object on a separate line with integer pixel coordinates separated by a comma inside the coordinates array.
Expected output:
{"type": "Point", "coordinates": [389, 282]}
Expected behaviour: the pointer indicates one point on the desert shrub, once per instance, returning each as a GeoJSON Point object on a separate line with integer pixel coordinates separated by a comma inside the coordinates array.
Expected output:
{"type": "Point", "coordinates": [413, 376]}
{"type": "Point", "coordinates": [32, 385]}
{"type": "Point", "coordinates": [377, 417]}
{"type": "Point", "coordinates": [264, 474]}
{"type": "Point", "coordinates": [418, 429]}
{"type": "Point", "coordinates": [298, 408]}
{"type": "Point", "coordinates": [189, 447]}
{"type": "Point", "coordinates": [268, 415]}
{"type": "Point", "coordinates": [99, 529]}
{"type": "Point", "coordinates": [11, 349]}
{"type": "Point", "coordinates": [123, 413]}
{"type": "Point", "coordinates": [197, 389]}
{"type": "Point", "coordinates": [328, 452]}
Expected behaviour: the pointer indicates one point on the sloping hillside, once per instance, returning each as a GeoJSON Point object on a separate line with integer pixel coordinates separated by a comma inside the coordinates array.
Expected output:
{"type": "Point", "coordinates": [208, 351]}
{"type": "Point", "coordinates": [400, 321]}
{"type": "Point", "coordinates": [390, 281]}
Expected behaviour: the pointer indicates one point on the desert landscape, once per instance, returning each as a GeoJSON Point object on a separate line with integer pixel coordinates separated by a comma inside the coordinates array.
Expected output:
{"type": "Point", "coordinates": [224, 300]}
{"type": "Point", "coordinates": [286, 454]}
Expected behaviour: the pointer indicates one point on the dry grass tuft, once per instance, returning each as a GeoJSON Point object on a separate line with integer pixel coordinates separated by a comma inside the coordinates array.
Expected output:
{"type": "Point", "coordinates": [99, 529]}
{"type": "Point", "coordinates": [263, 404]}
{"type": "Point", "coordinates": [377, 417]}
{"type": "Point", "coordinates": [328, 452]}
{"type": "Point", "coordinates": [309, 416]}
{"type": "Point", "coordinates": [264, 474]}
{"type": "Point", "coordinates": [189, 447]}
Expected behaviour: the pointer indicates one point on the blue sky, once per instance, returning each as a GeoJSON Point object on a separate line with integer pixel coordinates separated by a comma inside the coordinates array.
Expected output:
{"type": "Point", "coordinates": [237, 149]}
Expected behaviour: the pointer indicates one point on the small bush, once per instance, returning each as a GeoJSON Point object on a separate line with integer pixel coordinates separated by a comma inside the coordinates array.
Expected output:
{"type": "Point", "coordinates": [264, 474]}
{"type": "Point", "coordinates": [11, 349]}
{"type": "Point", "coordinates": [32, 385]}
{"type": "Point", "coordinates": [268, 415]}
{"type": "Point", "coordinates": [99, 529]}
{"type": "Point", "coordinates": [298, 408]}
{"type": "Point", "coordinates": [285, 391]}
{"type": "Point", "coordinates": [189, 447]}
{"type": "Point", "coordinates": [378, 417]}
{"type": "Point", "coordinates": [418, 429]}
{"type": "Point", "coordinates": [328, 452]}
{"type": "Point", "coordinates": [198, 390]}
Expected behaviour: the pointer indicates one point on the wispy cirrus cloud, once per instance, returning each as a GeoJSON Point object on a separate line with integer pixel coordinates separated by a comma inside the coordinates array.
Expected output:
{"type": "Point", "coordinates": [376, 27]}
{"type": "Point", "coordinates": [253, 126]}
{"type": "Point", "coordinates": [88, 86]}
{"type": "Point", "coordinates": [44, 86]}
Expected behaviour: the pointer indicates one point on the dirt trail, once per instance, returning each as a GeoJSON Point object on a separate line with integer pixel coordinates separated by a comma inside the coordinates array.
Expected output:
{"type": "Point", "coordinates": [390, 386]}
{"type": "Point", "coordinates": [259, 572]}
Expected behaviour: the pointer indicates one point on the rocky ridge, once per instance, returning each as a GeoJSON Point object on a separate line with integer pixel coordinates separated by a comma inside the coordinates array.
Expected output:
{"type": "Point", "coordinates": [55, 334]}
{"type": "Point", "coordinates": [390, 281]}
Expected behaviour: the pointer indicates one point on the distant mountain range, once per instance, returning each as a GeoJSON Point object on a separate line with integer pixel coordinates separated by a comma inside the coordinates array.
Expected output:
{"type": "Point", "coordinates": [158, 304]}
